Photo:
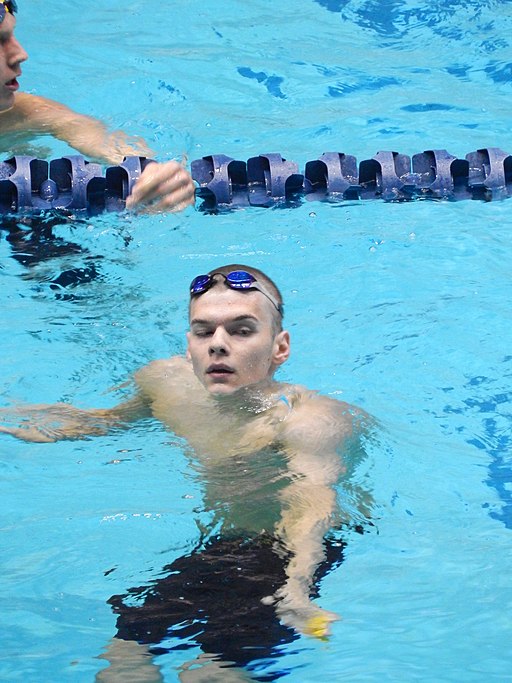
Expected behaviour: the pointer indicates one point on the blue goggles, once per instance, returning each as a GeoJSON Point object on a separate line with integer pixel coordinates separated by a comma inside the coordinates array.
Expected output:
{"type": "Point", "coordinates": [237, 280]}
{"type": "Point", "coordinates": [7, 6]}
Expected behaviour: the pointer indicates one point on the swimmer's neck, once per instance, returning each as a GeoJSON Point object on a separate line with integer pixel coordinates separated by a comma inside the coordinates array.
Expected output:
{"type": "Point", "coordinates": [6, 110]}
{"type": "Point", "coordinates": [254, 398]}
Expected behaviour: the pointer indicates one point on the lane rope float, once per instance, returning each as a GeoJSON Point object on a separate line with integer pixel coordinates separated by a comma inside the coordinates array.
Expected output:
{"type": "Point", "coordinates": [73, 184]}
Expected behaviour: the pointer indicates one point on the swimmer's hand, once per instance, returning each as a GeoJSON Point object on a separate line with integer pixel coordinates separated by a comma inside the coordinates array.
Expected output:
{"type": "Point", "coordinates": [310, 620]}
{"type": "Point", "coordinates": [303, 615]}
{"type": "Point", "coordinates": [99, 144]}
{"type": "Point", "coordinates": [46, 423]}
{"type": "Point", "coordinates": [162, 187]}
{"type": "Point", "coordinates": [32, 434]}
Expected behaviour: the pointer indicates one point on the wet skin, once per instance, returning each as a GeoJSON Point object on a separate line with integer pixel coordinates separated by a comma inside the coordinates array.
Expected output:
{"type": "Point", "coordinates": [12, 55]}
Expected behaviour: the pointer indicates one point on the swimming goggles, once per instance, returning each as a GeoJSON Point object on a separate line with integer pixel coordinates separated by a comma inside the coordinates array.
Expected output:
{"type": "Point", "coordinates": [7, 6]}
{"type": "Point", "coordinates": [237, 280]}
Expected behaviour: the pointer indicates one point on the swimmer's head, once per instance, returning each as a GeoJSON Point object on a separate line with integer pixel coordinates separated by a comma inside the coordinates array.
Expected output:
{"type": "Point", "coordinates": [7, 7]}
{"type": "Point", "coordinates": [236, 338]}
{"type": "Point", "coordinates": [12, 55]}
{"type": "Point", "coordinates": [242, 278]}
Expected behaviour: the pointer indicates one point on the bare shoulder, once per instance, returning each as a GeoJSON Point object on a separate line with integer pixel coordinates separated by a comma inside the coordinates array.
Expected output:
{"type": "Point", "coordinates": [308, 399]}
{"type": "Point", "coordinates": [165, 376]}
{"type": "Point", "coordinates": [31, 113]}
{"type": "Point", "coordinates": [35, 109]}
{"type": "Point", "coordinates": [26, 101]}
{"type": "Point", "coordinates": [322, 417]}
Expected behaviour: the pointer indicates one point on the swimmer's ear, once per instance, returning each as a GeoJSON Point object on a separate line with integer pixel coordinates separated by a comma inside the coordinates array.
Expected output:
{"type": "Point", "coordinates": [281, 348]}
{"type": "Point", "coordinates": [187, 354]}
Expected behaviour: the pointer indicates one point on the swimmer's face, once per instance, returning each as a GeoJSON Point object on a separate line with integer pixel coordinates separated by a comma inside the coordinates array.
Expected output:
{"type": "Point", "coordinates": [232, 341]}
{"type": "Point", "coordinates": [11, 56]}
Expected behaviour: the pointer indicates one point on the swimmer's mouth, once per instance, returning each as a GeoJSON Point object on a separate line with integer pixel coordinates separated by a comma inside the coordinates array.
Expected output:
{"type": "Point", "coordinates": [13, 84]}
{"type": "Point", "coordinates": [219, 369]}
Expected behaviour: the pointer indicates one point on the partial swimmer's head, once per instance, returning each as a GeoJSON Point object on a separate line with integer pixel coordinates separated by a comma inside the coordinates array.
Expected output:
{"type": "Point", "coordinates": [7, 6]}
{"type": "Point", "coordinates": [12, 55]}
{"type": "Point", "coordinates": [242, 278]}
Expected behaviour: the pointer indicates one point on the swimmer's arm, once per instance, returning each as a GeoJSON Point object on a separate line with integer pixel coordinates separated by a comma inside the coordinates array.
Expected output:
{"type": "Point", "coordinates": [308, 511]}
{"type": "Point", "coordinates": [47, 423]}
{"type": "Point", "coordinates": [312, 438]}
{"type": "Point", "coordinates": [35, 114]}
{"type": "Point", "coordinates": [161, 187]}
{"type": "Point", "coordinates": [171, 379]}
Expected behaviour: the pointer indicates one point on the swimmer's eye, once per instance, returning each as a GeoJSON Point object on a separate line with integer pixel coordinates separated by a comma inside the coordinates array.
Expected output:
{"type": "Point", "coordinates": [201, 332]}
{"type": "Point", "coordinates": [243, 331]}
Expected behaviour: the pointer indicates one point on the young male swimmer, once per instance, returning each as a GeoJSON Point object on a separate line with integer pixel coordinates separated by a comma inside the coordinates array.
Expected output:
{"type": "Point", "coordinates": [162, 186]}
{"type": "Point", "coordinates": [270, 454]}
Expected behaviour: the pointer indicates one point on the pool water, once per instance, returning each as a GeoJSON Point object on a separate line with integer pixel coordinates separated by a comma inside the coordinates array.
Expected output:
{"type": "Point", "coordinates": [402, 309]}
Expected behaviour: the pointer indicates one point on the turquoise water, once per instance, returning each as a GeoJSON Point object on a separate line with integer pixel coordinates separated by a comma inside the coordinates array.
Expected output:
{"type": "Point", "coordinates": [402, 309]}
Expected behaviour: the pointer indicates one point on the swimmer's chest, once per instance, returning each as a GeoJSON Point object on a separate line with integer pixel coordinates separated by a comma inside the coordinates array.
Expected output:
{"type": "Point", "coordinates": [219, 434]}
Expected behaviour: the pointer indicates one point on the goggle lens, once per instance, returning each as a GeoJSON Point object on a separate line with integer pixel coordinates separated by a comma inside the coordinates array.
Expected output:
{"type": "Point", "coordinates": [239, 279]}
{"type": "Point", "coordinates": [200, 284]}
{"type": "Point", "coordinates": [10, 6]}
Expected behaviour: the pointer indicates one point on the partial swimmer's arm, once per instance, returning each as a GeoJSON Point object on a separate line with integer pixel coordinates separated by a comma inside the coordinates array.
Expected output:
{"type": "Point", "coordinates": [35, 114]}
{"type": "Point", "coordinates": [161, 187]}
{"type": "Point", "coordinates": [46, 423]}
{"type": "Point", "coordinates": [314, 431]}
{"type": "Point", "coordinates": [171, 381]}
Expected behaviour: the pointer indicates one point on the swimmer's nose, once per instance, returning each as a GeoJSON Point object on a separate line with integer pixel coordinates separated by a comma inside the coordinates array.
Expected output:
{"type": "Point", "coordinates": [17, 54]}
{"type": "Point", "coordinates": [218, 344]}
{"type": "Point", "coordinates": [218, 350]}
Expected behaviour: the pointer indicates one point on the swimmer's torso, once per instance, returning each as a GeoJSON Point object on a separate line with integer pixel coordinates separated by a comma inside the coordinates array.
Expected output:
{"type": "Point", "coordinates": [214, 429]}
{"type": "Point", "coordinates": [243, 445]}
{"type": "Point", "coordinates": [236, 451]}
{"type": "Point", "coordinates": [242, 493]}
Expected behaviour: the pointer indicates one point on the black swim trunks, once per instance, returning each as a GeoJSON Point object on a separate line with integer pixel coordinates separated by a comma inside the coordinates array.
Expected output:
{"type": "Point", "coordinates": [213, 598]}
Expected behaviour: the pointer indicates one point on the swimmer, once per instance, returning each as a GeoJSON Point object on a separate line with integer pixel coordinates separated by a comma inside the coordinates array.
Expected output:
{"type": "Point", "coordinates": [270, 454]}
{"type": "Point", "coordinates": [161, 186]}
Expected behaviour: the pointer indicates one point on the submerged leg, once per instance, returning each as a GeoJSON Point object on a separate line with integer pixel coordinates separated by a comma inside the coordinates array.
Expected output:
{"type": "Point", "coordinates": [128, 661]}
{"type": "Point", "coordinates": [209, 669]}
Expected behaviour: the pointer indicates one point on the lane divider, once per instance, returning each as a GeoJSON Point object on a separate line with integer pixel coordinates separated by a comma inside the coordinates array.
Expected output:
{"type": "Point", "coordinates": [73, 184]}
